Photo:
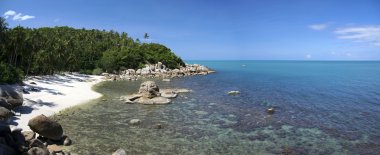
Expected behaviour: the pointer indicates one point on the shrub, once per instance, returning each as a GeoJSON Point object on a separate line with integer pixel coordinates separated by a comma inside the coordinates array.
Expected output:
{"type": "Point", "coordinates": [97, 71]}
{"type": "Point", "coordinates": [10, 74]}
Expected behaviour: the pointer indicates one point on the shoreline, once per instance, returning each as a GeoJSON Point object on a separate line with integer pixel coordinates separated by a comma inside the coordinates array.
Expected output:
{"type": "Point", "coordinates": [54, 93]}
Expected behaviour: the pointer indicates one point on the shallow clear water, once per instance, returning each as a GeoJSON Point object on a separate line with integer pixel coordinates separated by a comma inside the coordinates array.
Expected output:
{"type": "Point", "coordinates": [321, 108]}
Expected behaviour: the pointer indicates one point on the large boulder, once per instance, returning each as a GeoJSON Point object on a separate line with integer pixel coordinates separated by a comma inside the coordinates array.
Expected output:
{"type": "Point", "coordinates": [149, 89]}
{"type": "Point", "coordinates": [5, 114]}
{"type": "Point", "coordinates": [5, 104]}
{"type": "Point", "coordinates": [11, 95]}
{"type": "Point", "coordinates": [46, 127]}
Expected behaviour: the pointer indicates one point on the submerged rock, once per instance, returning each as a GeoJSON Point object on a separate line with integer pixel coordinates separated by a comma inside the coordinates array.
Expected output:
{"type": "Point", "coordinates": [46, 127]}
{"type": "Point", "coordinates": [135, 121]}
{"type": "Point", "coordinates": [270, 111]}
{"type": "Point", "coordinates": [152, 101]}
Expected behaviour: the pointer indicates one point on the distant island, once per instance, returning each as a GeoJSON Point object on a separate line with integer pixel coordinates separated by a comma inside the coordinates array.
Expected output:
{"type": "Point", "coordinates": [49, 50]}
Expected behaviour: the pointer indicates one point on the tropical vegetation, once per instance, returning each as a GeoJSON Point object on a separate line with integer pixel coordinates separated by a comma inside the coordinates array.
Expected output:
{"type": "Point", "coordinates": [49, 50]}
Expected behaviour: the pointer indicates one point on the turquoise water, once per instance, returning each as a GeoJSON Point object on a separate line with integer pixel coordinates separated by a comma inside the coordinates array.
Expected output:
{"type": "Point", "coordinates": [321, 108]}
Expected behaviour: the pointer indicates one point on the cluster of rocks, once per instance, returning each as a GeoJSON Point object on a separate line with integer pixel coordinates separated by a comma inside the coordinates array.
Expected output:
{"type": "Point", "coordinates": [160, 70]}
{"type": "Point", "coordinates": [149, 93]}
{"type": "Point", "coordinates": [10, 99]}
{"type": "Point", "coordinates": [14, 141]}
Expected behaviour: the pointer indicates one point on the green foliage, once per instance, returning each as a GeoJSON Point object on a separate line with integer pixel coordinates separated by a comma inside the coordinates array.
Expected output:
{"type": "Point", "coordinates": [10, 74]}
{"type": "Point", "coordinates": [97, 71]}
{"type": "Point", "coordinates": [53, 50]}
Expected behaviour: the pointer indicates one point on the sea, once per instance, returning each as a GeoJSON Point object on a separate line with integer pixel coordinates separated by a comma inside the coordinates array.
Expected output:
{"type": "Point", "coordinates": [321, 108]}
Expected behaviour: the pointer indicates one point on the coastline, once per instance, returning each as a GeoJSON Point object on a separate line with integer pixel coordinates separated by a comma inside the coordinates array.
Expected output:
{"type": "Point", "coordinates": [54, 93]}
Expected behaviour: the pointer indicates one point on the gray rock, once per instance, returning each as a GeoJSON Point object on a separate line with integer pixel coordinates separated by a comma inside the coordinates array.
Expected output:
{"type": "Point", "coordinates": [46, 127]}
{"type": "Point", "coordinates": [5, 114]}
{"type": "Point", "coordinates": [10, 94]}
{"type": "Point", "coordinates": [149, 89]}
{"type": "Point", "coordinates": [119, 152]}
{"type": "Point", "coordinates": [29, 135]}
{"type": "Point", "coordinates": [5, 104]}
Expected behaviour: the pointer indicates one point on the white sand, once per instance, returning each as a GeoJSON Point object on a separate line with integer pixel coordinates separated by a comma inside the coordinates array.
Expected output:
{"type": "Point", "coordinates": [56, 93]}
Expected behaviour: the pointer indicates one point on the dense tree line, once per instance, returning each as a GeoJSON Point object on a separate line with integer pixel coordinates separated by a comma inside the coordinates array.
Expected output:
{"type": "Point", "coordinates": [40, 51]}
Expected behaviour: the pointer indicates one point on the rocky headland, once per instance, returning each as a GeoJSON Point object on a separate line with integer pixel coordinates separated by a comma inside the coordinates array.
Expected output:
{"type": "Point", "coordinates": [161, 71]}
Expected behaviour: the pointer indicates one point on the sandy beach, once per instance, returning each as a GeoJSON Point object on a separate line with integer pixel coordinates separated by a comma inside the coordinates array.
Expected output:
{"type": "Point", "coordinates": [54, 93]}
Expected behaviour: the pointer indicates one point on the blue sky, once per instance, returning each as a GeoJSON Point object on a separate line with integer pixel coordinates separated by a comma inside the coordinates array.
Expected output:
{"type": "Point", "coordinates": [221, 29]}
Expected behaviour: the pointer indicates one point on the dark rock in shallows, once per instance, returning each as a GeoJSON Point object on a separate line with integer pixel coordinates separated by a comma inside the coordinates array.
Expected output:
{"type": "Point", "coordinates": [270, 111]}
{"type": "Point", "coordinates": [46, 127]}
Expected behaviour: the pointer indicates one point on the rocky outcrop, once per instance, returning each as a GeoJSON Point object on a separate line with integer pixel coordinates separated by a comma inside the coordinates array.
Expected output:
{"type": "Point", "coordinates": [13, 141]}
{"type": "Point", "coordinates": [10, 97]}
{"type": "Point", "coordinates": [150, 94]}
{"type": "Point", "coordinates": [46, 127]}
{"type": "Point", "coordinates": [160, 70]}
{"type": "Point", "coordinates": [149, 89]}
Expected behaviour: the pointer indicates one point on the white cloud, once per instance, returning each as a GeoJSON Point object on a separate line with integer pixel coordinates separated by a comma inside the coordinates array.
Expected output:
{"type": "Point", "coordinates": [308, 56]}
{"type": "Point", "coordinates": [367, 34]}
{"type": "Point", "coordinates": [9, 13]}
{"type": "Point", "coordinates": [319, 27]}
{"type": "Point", "coordinates": [17, 16]}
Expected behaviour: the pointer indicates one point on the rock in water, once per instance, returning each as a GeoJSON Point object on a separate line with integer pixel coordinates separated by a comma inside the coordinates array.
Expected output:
{"type": "Point", "coordinates": [135, 121]}
{"type": "Point", "coordinates": [149, 89]}
{"type": "Point", "coordinates": [119, 152]}
{"type": "Point", "coordinates": [235, 92]}
{"type": "Point", "coordinates": [270, 111]}
{"type": "Point", "coordinates": [46, 127]}
{"type": "Point", "coordinates": [5, 114]}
